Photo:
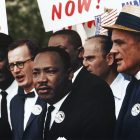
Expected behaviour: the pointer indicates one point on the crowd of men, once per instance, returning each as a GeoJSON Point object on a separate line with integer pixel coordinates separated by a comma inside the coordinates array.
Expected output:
{"type": "Point", "coordinates": [73, 91]}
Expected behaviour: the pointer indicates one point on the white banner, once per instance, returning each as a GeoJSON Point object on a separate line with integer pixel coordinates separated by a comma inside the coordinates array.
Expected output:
{"type": "Point", "coordinates": [3, 18]}
{"type": "Point", "coordinates": [57, 14]}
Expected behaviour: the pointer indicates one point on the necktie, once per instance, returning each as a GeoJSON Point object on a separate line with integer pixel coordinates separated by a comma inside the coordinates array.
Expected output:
{"type": "Point", "coordinates": [28, 95]}
{"type": "Point", "coordinates": [5, 130]}
{"type": "Point", "coordinates": [4, 114]}
{"type": "Point", "coordinates": [48, 120]}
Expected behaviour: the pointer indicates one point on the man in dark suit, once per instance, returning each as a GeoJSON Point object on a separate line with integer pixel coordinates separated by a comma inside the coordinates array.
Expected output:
{"type": "Point", "coordinates": [126, 48]}
{"type": "Point", "coordinates": [34, 126]}
{"type": "Point", "coordinates": [71, 42]}
{"type": "Point", "coordinates": [8, 86]}
{"type": "Point", "coordinates": [79, 113]}
{"type": "Point", "coordinates": [25, 108]}
{"type": "Point", "coordinates": [98, 60]}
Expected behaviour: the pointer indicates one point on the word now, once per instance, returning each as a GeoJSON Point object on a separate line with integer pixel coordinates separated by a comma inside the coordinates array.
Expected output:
{"type": "Point", "coordinates": [69, 8]}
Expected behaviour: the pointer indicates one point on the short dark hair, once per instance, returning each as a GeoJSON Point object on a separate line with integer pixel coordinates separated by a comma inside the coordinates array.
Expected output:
{"type": "Point", "coordinates": [105, 41]}
{"type": "Point", "coordinates": [62, 53]}
{"type": "Point", "coordinates": [73, 36]}
{"type": "Point", "coordinates": [32, 45]}
{"type": "Point", "coordinates": [5, 41]}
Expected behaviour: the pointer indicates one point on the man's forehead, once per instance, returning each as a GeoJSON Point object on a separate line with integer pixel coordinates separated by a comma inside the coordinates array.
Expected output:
{"type": "Point", "coordinates": [46, 58]}
{"type": "Point", "coordinates": [57, 40]}
{"type": "Point", "coordinates": [120, 32]}
{"type": "Point", "coordinates": [47, 54]}
{"type": "Point", "coordinates": [118, 35]}
{"type": "Point", "coordinates": [92, 48]}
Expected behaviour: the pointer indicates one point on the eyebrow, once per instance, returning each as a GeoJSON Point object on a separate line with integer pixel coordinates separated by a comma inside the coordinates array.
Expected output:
{"type": "Point", "coordinates": [45, 68]}
{"type": "Point", "coordinates": [118, 41]}
{"type": "Point", "coordinates": [89, 56]}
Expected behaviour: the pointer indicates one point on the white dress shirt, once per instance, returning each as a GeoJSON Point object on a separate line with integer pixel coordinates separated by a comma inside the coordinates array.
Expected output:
{"type": "Point", "coordinates": [56, 110]}
{"type": "Point", "coordinates": [138, 75]}
{"type": "Point", "coordinates": [118, 87]}
{"type": "Point", "coordinates": [11, 91]}
{"type": "Point", "coordinates": [28, 107]}
{"type": "Point", "coordinates": [76, 73]}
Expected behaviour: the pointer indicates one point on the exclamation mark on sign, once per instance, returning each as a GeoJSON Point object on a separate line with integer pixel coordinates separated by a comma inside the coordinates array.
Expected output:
{"type": "Point", "coordinates": [98, 6]}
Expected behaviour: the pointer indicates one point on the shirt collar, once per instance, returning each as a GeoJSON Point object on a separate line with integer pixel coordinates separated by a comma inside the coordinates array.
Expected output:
{"type": "Point", "coordinates": [137, 76]}
{"type": "Point", "coordinates": [59, 103]}
{"type": "Point", "coordinates": [13, 86]}
{"type": "Point", "coordinates": [32, 90]}
{"type": "Point", "coordinates": [76, 73]}
{"type": "Point", "coordinates": [119, 81]}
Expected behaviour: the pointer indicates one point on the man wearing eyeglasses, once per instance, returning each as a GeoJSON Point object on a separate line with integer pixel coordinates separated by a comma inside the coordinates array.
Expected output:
{"type": "Point", "coordinates": [23, 109]}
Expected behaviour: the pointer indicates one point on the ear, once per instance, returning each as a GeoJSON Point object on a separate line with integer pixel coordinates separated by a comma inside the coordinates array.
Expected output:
{"type": "Point", "coordinates": [110, 59]}
{"type": "Point", "coordinates": [80, 51]}
{"type": "Point", "coordinates": [70, 74]}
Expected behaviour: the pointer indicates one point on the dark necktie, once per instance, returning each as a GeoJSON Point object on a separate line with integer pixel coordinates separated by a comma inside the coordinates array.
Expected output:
{"type": "Point", "coordinates": [48, 120]}
{"type": "Point", "coordinates": [4, 114]}
{"type": "Point", "coordinates": [28, 95]}
{"type": "Point", "coordinates": [5, 130]}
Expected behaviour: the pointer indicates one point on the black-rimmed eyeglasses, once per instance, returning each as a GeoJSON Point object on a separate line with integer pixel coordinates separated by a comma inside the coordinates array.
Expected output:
{"type": "Point", "coordinates": [18, 64]}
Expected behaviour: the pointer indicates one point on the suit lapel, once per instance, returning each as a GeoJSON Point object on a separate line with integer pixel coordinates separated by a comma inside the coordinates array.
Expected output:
{"type": "Point", "coordinates": [17, 113]}
{"type": "Point", "coordinates": [126, 109]}
{"type": "Point", "coordinates": [41, 105]}
{"type": "Point", "coordinates": [20, 105]}
{"type": "Point", "coordinates": [65, 109]}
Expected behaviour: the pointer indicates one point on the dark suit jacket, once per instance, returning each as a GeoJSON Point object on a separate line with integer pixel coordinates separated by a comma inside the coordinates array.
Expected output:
{"type": "Point", "coordinates": [34, 128]}
{"type": "Point", "coordinates": [5, 131]}
{"type": "Point", "coordinates": [89, 111]}
{"type": "Point", "coordinates": [128, 125]}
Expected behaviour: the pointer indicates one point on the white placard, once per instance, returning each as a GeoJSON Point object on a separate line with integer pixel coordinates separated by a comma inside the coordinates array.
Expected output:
{"type": "Point", "coordinates": [3, 18]}
{"type": "Point", "coordinates": [57, 14]}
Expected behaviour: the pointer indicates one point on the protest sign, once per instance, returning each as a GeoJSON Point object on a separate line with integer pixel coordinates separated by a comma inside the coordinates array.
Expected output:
{"type": "Point", "coordinates": [62, 13]}
{"type": "Point", "coordinates": [84, 16]}
{"type": "Point", "coordinates": [3, 18]}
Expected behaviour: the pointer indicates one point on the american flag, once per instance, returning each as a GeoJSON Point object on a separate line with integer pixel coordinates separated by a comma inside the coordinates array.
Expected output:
{"type": "Point", "coordinates": [107, 18]}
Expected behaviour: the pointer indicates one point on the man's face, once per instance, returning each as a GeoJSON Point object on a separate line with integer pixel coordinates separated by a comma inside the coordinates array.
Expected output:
{"type": "Point", "coordinates": [94, 61]}
{"type": "Point", "coordinates": [63, 42]}
{"type": "Point", "coordinates": [49, 75]}
{"type": "Point", "coordinates": [22, 75]}
{"type": "Point", "coordinates": [127, 51]}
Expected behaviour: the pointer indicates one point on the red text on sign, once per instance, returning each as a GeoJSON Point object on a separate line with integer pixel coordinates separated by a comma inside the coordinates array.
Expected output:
{"type": "Point", "coordinates": [69, 8]}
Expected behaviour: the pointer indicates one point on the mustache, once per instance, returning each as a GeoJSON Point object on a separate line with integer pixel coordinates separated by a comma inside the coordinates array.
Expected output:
{"type": "Point", "coordinates": [43, 84]}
